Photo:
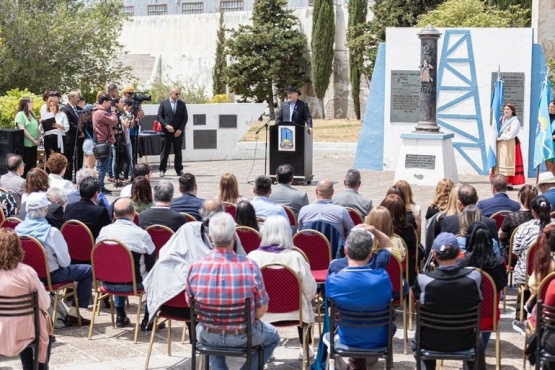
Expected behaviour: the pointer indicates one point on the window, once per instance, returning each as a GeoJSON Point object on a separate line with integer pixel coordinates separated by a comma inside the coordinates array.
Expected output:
{"type": "Point", "coordinates": [129, 10]}
{"type": "Point", "coordinates": [231, 5]}
{"type": "Point", "coordinates": [192, 8]}
{"type": "Point", "coordinates": [157, 9]}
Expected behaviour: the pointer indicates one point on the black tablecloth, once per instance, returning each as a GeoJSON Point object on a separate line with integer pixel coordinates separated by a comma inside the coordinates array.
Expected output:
{"type": "Point", "coordinates": [150, 144]}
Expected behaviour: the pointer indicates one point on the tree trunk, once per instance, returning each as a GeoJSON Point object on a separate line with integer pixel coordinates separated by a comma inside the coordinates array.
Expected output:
{"type": "Point", "coordinates": [323, 110]}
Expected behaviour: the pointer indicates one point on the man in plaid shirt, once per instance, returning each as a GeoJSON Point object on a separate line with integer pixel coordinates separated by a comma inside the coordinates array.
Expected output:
{"type": "Point", "coordinates": [225, 278]}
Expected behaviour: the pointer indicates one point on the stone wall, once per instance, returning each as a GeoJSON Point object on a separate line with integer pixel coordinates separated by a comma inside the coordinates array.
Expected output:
{"type": "Point", "coordinates": [543, 22]}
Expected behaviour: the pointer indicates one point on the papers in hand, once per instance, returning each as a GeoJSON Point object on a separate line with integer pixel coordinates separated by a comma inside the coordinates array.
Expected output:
{"type": "Point", "coordinates": [48, 121]}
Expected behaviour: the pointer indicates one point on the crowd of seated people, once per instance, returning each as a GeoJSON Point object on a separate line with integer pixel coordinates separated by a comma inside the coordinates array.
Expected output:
{"type": "Point", "coordinates": [389, 229]}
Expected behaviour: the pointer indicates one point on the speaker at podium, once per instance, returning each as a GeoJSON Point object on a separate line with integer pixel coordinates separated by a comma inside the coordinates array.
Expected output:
{"type": "Point", "coordinates": [291, 144]}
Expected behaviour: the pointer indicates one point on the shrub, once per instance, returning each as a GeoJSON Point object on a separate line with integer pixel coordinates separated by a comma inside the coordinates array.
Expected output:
{"type": "Point", "coordinates": [191, 93]}
{"type": "Point", "coordinates": [10, 102]}
{"type": "Point", "coordinates": [220, 98]}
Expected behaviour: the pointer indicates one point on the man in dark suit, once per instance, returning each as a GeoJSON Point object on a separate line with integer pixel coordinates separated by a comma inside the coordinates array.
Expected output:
{"type": "Point", "coordinates": [467, 195]}
{"type": "Point", "coordinates": [87, 210]}
{"type": "Point", "coordinates": [295, 110]}
{"type": "Point", "coordinates": [500, 200]}
{"type": "Point", "coordinates": [73, 135]}
{"type": "Point", "coordinates": [188, 202]}
{"type": "Point", "coordinates": [284, 193]}
{"type": "Point", "coordinates": [160, 213]}
{"type": "Point", "coordinates": [172, 115]}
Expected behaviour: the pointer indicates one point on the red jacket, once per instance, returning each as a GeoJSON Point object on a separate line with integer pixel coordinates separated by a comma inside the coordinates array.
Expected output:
{"type": "Point", "coordinates": [103, 121]}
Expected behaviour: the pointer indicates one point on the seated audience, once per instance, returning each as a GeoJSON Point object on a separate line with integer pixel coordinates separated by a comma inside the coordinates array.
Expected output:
{"type": "Point", "coordinates": [57, 165]}
{"type": "Point", "coordinates": [277, 247]}
{"type": "Point", "coordinates": [229, 189]}
{"type": "Point", "coordinates": [517, 218]}
{"type": "Point", "coordinates": [468, 216]}
{"type": "Point", "coordinates": [263, 206]}
{"type": "Point", "coordinates": [59, 261]}
{"type": "Point", "coordinates": [413, 210]}
{"type": "Point", "coordinates": [350, 197]}
{"type": "Point", "coordinates": [37, 182]}
{"type": "Point", "coordinates": [284, 193]}
{"type": "Point", "coordinates": [75, 195]}
{"type": "Point", "coordinates": [381, 219]}
{"type": "Point", "coordinates": [543, 263]}
{"type": "Point", "coordinates": [500, 200]}
{"type": "Point", "coordinates": [160, 213]}
{"type": "Point", "coordinates": [8, 204]}
{"type": "Point", "coordinates": [246, 216]}
{"type": "Point", "coordinates": [441, 198]}
{"type": "Point", "coordinates": [141, 194]}
{"type": "Point", "coordinates": [12, 180]}
{"type": "Point", "coordinates": [188, 202]}
{"type": "Point", "coordinates": [141, 169]}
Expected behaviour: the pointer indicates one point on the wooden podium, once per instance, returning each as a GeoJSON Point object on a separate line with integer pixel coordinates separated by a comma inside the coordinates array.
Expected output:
{"type": "Point", "coordinates": [291, 144]}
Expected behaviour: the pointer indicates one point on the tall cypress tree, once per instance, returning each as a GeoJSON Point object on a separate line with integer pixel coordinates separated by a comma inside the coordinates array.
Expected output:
{"type": "Point", "coordinates": [323, 35]}
{"type": "Point", "coordinates": [357, 17]}
{"type": "Point", "coordinates": [218, 74]}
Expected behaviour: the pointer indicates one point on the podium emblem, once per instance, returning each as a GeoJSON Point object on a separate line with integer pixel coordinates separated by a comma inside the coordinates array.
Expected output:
{"type": "Point", "coordinates": [286, 138]}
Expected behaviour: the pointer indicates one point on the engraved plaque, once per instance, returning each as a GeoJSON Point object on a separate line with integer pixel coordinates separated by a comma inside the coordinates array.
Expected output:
{"type": "Point", "coordinates": [228, 121]}
{"type": "Point", "coordinates": [513, 87]}
{"type": "Point", "coordinates": [199, 119]}
{"type": "Point", "coordinates": [427, 162]}
{"type": "Point", "coordinates": [405, 92]}
{"type": "Point", "coordinates": [205, 139]}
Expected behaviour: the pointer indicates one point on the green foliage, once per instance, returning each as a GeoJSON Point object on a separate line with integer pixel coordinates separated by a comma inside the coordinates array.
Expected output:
{"type": "Point", "coordinates": [357, 17]}
{"type": "Point", "coordinates": [221, 98]}
{"type": "Point", "coordinates": [267, 55]}
{"type": "Point", "coordinates": [218, 74]}
{"type": "Point", "coordinates": [505, 4]}
{"type": "Point", "coordinates": [323, 35]}
{"type": "Point", "coordinates": [191, 93]}
{"type": "Point", "coordinates": [474, 13]}
{"type": "Point", "coordinates": [9, 105]}
{"type": "Point", "coordinates": [60, 44]}
{"type": "Point", "coordinates": [364, 39]}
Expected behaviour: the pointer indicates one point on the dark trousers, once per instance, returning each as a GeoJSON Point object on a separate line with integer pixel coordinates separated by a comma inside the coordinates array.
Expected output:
{"type": "Point", "coordinates": [122, 160]}
{"type": "Point", "coordinates": [51, 144]}
{"type": "Point", "coordinates": [69, 152]}
{"type": "Point", "coordinates": [29, 158]}
{"type": "Point", "coordinates": [167, 142]}
{"type": "Point", "coordinates": [27, 356]}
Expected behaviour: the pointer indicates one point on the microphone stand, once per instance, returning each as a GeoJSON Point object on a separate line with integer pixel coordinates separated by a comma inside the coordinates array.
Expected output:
{"type": "Point", "coordinates": [266, 125]}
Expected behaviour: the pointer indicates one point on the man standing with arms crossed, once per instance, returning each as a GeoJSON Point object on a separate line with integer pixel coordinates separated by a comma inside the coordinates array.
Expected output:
{"type": "Point", "coordinates": [172, 115]}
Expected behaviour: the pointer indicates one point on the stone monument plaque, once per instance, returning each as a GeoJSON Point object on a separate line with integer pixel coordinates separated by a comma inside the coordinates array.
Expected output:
{"type": "Point", "coordinates": [405, 92]}
{"type": "Point", "coordinates": [420, 161]}
{"type": "Point", "coordinates": [513, 87]}
{"type": "Point", "coordinates": [199, 119]}
{"type": "Point", "coordinates": [228, 121]}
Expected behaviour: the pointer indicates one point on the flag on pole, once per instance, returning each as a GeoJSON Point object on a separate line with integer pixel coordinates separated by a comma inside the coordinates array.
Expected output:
{"type": "Point", "coordinates": [543, 149]}
{"type": "Point", "coordinates": [496, 104]}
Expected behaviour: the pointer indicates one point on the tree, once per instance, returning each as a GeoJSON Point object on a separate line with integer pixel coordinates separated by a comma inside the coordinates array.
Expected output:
{"type": "Point", "coordinates": [357, 16]}
{"type": "Point", "coordinates": [218, 74]}
{"type": "Point", "coordinates": [323, 35]}
{"type": "Point", "coordinates": [474, 13]}
{"type": "Point", "coordinates": [60, 44]}
{"type": "Point", "coordinates": [267, 56]}
{"type": "Point", "coordinates": [365, 38]}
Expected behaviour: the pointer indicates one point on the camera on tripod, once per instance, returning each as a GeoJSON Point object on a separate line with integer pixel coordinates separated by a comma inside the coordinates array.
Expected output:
{"type": "Point", "coordinates": [139, 97]}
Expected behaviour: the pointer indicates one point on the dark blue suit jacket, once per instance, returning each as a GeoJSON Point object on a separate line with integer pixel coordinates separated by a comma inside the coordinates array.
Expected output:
{"type": "Point", "coordinates": [188, 203]}
{"type": "Point", "coordinates": [499, 202]}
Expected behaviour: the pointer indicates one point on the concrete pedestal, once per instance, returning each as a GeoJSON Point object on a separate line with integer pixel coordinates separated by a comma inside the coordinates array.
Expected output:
{"type": "Point", "coordinates": [426, 158]}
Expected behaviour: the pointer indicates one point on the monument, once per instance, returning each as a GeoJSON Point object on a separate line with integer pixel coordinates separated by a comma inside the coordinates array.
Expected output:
{"type": "Point", "coordinates": [427, 154]}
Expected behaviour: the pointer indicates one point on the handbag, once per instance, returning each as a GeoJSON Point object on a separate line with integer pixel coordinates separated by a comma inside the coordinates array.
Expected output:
{"type": "Point", "coordinates": [102, 150]}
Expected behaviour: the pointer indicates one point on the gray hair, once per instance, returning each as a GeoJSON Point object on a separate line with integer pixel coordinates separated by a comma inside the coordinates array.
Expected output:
{"type": "Point", "coordinates": [57, 195]}
{"type": "Point", "coordinates": [83, 173]}
{"type": "Point", "coordinates": [277, 231]}
{"type": "Point", "coordinates": [163, 191]}
{"type": "Point", "coordinates": [358, 244]}
{"type": "Point", "coordinates": [352, 178]}
{"type": "Point", "coordinates": [37, 213]}
{"type": "Point", "coordinates": [206, 213]}
{"type": "Point", "coordinates": [222, 229]}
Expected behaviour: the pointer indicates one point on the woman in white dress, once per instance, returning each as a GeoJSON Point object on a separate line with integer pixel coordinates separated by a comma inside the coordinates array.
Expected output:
{"type": "Point", "coordinates": [509, 155]}
{"type": "Point", "coordinates": [54, 139]}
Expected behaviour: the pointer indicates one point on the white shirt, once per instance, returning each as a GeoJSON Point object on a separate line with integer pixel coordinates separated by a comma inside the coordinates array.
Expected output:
{"type": "Point", "coordinates": [57, 181]}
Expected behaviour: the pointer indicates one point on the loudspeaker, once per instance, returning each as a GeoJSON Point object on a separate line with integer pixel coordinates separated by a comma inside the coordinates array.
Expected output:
{"type": "Point", "coordinates": [11, 141]}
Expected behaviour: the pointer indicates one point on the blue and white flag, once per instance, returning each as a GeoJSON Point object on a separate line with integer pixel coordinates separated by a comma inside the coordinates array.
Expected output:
{"type": "Point", "coordinates": [543, 148]}
{"type": "Point", "coordinates": [496, 104]}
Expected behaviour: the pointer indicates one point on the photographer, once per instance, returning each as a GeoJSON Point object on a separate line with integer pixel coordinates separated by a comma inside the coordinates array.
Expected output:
{"type": "Point", "coordinates": [122, 158]}
{"type": "Point", "coordinates": [172, 114]}
{"type": "Point", "coordinates": [104, 119]}
{"type": "Point", "coordinates": [138, 113]}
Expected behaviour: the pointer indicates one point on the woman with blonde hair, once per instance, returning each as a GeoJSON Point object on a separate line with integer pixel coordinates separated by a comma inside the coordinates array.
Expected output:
{"type": "Point", "coordinates": [229, 189]}
{"type": "Point", "coordinates": [441, 197]}
{"type": "Point", "coordinates": [380, 218]}
{"type": "Point", "coordinates": [452, 206]}
{"type": "Point", "coordinates": [54, 138]}
{"type": "Point", "coordinates": [16, 279]}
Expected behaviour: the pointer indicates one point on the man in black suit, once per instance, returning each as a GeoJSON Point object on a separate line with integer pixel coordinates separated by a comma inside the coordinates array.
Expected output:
{"type": "Point", "coordinates": [295, 110]}
{"type": "Point", "coordinates": [71, 111]}
{"type": "Point", "coordinates": [500, 200]}
{"type": "Point", "coordinates": [467, 195]}
{"type": "Point", "coordinates": [87, 210]}
{"type": "Point", "coordinates": [160, 213]}
{"type": "Point", "coordinates": [188, 202]}
{"type": "Point", "coordinates": [172, 115]}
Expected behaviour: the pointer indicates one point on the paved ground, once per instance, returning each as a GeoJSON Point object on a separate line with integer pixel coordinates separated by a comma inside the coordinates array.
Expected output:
{"type": "Point", "coordinates": [114, 349]}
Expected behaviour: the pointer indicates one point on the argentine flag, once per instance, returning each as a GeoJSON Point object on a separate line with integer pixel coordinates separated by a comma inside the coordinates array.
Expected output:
{"type": "Point", "coordinates": [496, 104]}
{"type": "Point", "coordinates": [543, 148]}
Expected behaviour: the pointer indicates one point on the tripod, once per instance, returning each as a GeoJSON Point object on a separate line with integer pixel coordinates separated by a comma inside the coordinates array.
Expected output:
{"type": "Point", "coordinates": [266, 126]}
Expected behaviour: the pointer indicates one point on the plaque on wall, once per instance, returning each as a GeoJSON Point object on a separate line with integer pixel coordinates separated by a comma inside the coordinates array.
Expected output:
{"type": "Point", "coordinates": [228, 121]}
{"type": "Point", "coordinates": [513, 91]}
{"type": "Point", "coordinates": [199, 119]}
{"type": "Point", "coordinates": [427, 162]}
{"type": "Point", "coordinates": [205, 139]}
{"type": "Point", "coordinates": [405, 93]}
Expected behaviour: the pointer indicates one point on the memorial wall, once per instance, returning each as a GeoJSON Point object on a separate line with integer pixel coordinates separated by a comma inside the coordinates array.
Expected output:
{"type": "Point", "coordinates": [468, 66]}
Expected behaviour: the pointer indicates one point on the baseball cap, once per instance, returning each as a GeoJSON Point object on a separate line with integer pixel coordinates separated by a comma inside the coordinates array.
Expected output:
{"type": "Point", "coordinates": [443, 240]}
{"type": "Point", "coordinates": [128, 89]}
{"type": "Point", "coordinates": [36, 201]}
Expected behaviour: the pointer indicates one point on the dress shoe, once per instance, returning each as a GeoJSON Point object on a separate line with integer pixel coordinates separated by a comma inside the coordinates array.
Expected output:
{"type": "Point", "coordinates": [179, 173]}
{"type": "Point", "coordinates": [72, 321]}
{"type": "Point", "coordinates": [105, 191]}
{"type": "Point", "coordinates": [162, 173]}
{"type": "Point", "coordinates": [145, 327]}
{"type": "Point", "coordinates": [122, 321]}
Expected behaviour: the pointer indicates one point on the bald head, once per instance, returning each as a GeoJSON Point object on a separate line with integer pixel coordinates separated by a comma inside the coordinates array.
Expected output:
{"type": "Point", "coordinates": [15, 163]}
{"type": "Point", "coordinates": [209, 208]}
{"type": "Point", "coordinates": [324, 189]}
{"type": "Point", "coordinates": [124, 208]}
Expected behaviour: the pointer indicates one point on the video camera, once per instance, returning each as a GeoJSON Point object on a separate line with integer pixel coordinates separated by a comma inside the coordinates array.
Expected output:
{"type": "Point", "coordinates": [139, 97]}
